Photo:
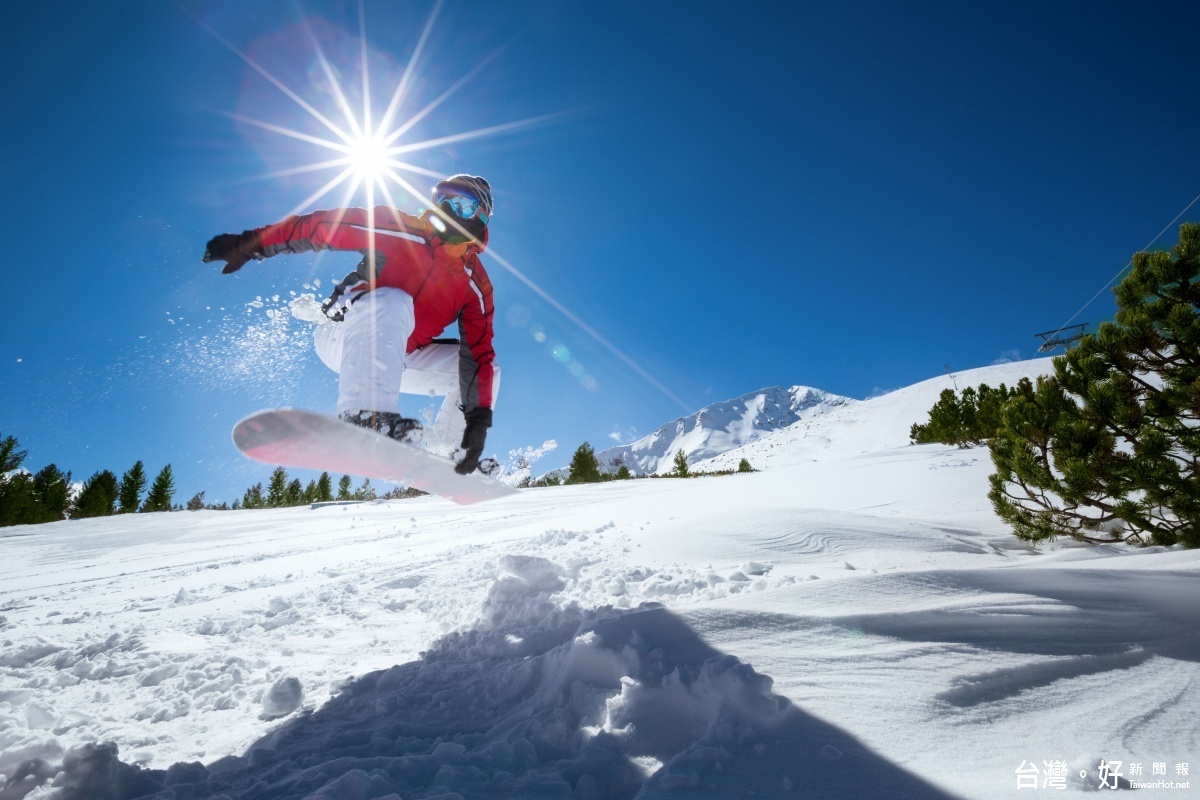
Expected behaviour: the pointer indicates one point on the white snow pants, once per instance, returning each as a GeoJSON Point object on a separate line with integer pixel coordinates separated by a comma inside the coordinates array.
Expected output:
{"type": "Point", "coordinates": [366, 349]}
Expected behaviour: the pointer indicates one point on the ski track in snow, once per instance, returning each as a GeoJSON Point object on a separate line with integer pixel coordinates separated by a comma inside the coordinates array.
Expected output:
{"type": "Point", "coordinates": [852, 621]}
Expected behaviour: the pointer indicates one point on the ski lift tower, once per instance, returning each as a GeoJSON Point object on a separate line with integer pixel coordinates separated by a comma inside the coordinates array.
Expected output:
{"type": "Point", "coordinates": [1063, 337]}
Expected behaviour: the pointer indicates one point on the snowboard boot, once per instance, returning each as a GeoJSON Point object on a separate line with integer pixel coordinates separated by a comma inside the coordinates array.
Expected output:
{"type": "Point", "coordinates": [389, 423]}
{"type": "Point", "coordinates": [489, 466]}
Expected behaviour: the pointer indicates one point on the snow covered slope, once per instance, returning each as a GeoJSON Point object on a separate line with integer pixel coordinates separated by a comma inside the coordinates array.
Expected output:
{"type": "Point", "coordinates": [722, 426]}
{"type": "Point", "coordinates": [871, 425]}
{"type": "Point", "coordinates": [852, 621]}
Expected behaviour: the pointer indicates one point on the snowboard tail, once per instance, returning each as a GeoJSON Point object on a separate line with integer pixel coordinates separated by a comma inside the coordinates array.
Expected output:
{"type": "Point", "coordinates": [305, 439]}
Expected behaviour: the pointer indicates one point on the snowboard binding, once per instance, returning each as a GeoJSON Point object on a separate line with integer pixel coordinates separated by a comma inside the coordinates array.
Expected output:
{"type": "Point", "coordinates": [389, 423]}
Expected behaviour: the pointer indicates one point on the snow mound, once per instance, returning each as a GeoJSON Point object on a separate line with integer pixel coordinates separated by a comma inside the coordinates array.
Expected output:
{"type": "Point", "coordinates": [285, 696]}
{"type": "Point", "coordinates": [539, 699]}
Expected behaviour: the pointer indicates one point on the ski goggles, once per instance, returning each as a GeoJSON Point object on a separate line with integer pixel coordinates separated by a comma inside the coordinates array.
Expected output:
{"type": "Point", "coordinates": [461, 203]}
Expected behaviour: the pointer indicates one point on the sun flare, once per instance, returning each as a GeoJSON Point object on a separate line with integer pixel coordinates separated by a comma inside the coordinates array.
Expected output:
{"type": "Point", "coordinates": [366, 153]}
{"type": "Point", "coordinates": [366, 149]}
{"type": "Point", "coordinates": [368, 157]}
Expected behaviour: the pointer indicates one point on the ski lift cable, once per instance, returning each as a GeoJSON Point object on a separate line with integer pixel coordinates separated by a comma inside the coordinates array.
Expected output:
{"type": "Point", "coordinates": [1127, 265]}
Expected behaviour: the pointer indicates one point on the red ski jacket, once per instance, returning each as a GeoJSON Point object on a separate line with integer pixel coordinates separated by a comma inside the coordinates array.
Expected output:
{"type": "Point", "coordinates": [445, 286]}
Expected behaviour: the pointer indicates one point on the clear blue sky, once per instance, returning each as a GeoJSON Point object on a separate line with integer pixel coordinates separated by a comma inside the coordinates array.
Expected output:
{"type": "Point", "coordinates": [844, 195]}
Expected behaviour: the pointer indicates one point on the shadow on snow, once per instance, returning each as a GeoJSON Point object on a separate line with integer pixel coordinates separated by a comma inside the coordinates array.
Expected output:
{"type": "Point", "coordinates": [537, 701]}
{"type": "Point", "coordinates": [1118, 618]}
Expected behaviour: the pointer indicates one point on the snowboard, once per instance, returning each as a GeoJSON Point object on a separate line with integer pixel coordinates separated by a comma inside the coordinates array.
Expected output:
{"type": "Point", "coordinates": [296, 438]}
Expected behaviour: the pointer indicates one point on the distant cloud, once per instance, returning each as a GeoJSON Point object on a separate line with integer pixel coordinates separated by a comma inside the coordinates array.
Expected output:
{"type": "Point", "coordinates": [623, 435]}
{"type": "Point", "coordinates": [879, 391]}
{"type": "Point", "coordinates": [1008, 357]}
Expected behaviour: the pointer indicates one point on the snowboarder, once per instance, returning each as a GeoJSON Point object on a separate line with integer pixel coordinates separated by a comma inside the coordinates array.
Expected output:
{"type": "Point", "coordinates": [417, 275]}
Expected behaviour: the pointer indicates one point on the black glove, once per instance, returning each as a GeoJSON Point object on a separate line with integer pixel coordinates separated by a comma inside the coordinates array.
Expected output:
{"type": "Point", "coordinates": [331, 309]}
{"type": "Point", "coordinates": [478, 422]}
{"type": "Point", "coordinates": [235, 249]}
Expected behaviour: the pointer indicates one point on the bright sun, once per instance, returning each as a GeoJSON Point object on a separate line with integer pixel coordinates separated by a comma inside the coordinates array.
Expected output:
{"type": "Point", "coordinates": [369, 158]}
{"type": "Point", "coordinates": [366, 149]}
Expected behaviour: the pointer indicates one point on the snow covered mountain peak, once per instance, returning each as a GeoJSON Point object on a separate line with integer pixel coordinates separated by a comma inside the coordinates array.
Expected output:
{"type": "Point", "coordinates": [722, 426]}
{"type": "Point", "coordinates": [876, 424]}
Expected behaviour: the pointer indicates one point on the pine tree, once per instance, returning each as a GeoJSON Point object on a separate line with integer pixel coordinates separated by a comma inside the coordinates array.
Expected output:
{"type": "Point", "coordinates": [404, 493]}
{"type": "Point", "coordinates": [129, 493]}
{"type": "Point", "coordinates": [277, 489]}
{"type": "Point", "coordinates": [964, 420]}
{"type": "Point", "coordinates": [681, 465]}
{"type": "Point", "coordinates": [10, 457]}
{"type": "Point", "coordinates": [365, 491]}
{"type": "Point", "coordinates": [969, 433]}
{"type": "Point", "coordinates": [295, 493]}
{"type": "Point", "coordinates": [254, 497]}
{"type": "Point", "coordinates": [51, 495]}
{"type": "Point", "coordinates": [161, 492]}
{"type": "Point", "coordinates": [196, 503]}
{"type": "Point", "coordinates": [947, 423]}
{"type": "Point", "coordinates": [324, 488]}
{"type": "Point", "coordinates": [17, 503]}
{"type": "Point", "coordinates": [18, 500]}
{"type": "Point", "coordinates": [744, 466]}
{"type": "Point", "coordinates": [1108, 448]}
{"type": "Point", "coordinates": [989, 409]}
{"type": "Point", "coordinates": [98, 497]}
{"type": "Point", "coordinates": [623, 473]}
{"type": "Point", "coordinates": [344, 489]}
{"type": "Point", "coordinates": [584, 466]}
